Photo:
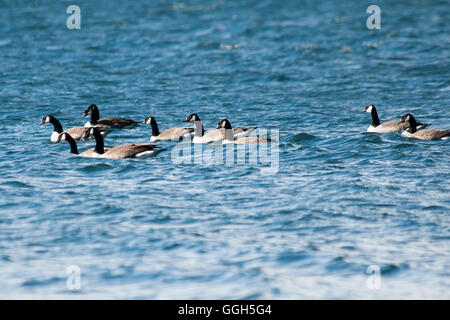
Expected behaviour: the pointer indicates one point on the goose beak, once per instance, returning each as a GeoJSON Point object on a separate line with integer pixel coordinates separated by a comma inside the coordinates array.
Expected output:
{"type": "Point", "coordinates": [42, 122]}
{"type": "Point", "coordinates": [85, 113]}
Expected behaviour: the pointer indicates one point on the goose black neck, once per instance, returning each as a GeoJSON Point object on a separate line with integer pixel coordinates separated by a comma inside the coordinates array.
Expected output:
{"type": "Point", "coordinates": [375, 119]}
{"type": "Point", "coordinates": [73, 144]}
{"type": "Point", "coordinates": [198, 129]}
{"type": "Point", "coordinates": [95, 115]}
{"type": "Point", "coordinates": [155, 130]}
{"type": "Point", "coordinates": [56, 125]}
{"type": "Point", "coordinates": [99, 145]}
{"type": "Point", "coordinates": [412, 125]}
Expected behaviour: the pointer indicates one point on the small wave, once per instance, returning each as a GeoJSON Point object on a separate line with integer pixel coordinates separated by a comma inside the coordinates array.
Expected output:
{"type": "Point", "coordinates": [403, 145]}
{"type": "Point", "coordinates": [340, 263]}
{"type": "Point", "coordinates": [96, 167]}
{"type": "Point", "coordinates": [45, 282]}
{"type": "Point", "coordinates": [17, 184]}
{"type": "Point", "coordinates": [291, 256]}
{"type": "Point", "coordinates": [7, 258]}
{"type": "Point", "coordinates": [300, 137]}
{"type": "Point", "coordinates": [5, 42]}
{"type": "Point", "coordinates": [125, 169]}
{"type": "Point", "coordinates": [392, 268]}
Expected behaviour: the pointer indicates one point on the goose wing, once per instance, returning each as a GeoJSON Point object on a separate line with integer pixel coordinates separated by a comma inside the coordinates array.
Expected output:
{"type": "Point", "coordinates": [175, 133]}
{"type": "Point", "coordinates": [389, 127]}
{"type": "Point", "coordinates": [214, 135]}
{"type": "Point", "coordinates": [129, 151]}
{"type": "Point", "coordinates": [431, 134]}
{"type": "Point", "coordinates": [118, 123]}
{"type": "Point", "coordinates": [77, 132]}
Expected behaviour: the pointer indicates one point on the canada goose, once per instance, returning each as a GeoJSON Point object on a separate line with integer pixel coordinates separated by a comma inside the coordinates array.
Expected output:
{"type": "Point", "coordinates": [113, 122]}
{"type": "Point", "coordinates": [386, 127]}
{"type": "Point", "coordinates": [122, 151]}
{"type": "Point", "coordinates": [224, 124]}
{"type": "Point", "coordinates": [76, 132]}
{"type": "Point", "coordinates": [90, 153]}
{"type": "Point", "coordinates": [427, 134]}
{"type": "Point", "coordinates": [213, 135]}
{"type": "Point", "coordinates": [169, 134]}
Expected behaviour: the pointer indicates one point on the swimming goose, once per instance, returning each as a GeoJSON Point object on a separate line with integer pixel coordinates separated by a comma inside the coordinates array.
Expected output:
{"type": "Point", "coordinates": [173, 134]}
{"type": "Point", "coordinates": [76, 132]}
{"type": "Point", "coordinates": [90, 153]}
{"type": "Point", "coordinates": [113, 122]}
{"type": "Point", "coordinates": [224, 124]}
{"type": "Point", "coordinates": [427, 134]}
{"type": "Point", "coordinates": [213, 135]}
{"type": "Point", "coordinates": [387, 127]}
{"type": "Point", "coordinates": [122, 151]}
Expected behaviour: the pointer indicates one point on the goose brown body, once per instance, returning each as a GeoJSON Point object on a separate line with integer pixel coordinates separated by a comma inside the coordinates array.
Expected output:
{"type": "Point", "coordinates": [426, 134]}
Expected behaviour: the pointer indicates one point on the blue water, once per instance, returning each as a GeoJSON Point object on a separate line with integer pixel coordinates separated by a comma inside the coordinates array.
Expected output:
{"type": "Point", "coordinates": [341, 201]}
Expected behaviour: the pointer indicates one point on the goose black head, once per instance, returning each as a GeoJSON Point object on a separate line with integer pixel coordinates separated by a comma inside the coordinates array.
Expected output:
{"type": "Point", "coordinates": [46, 119]}
{"type": "Point", "coordinates": [149, 120]}
{"type": "Point", "coordinates": [88, 110]}
{"type": "Point", "coordinates": [63, 137]}
{"type": "Point", "coordinates": [408, 117]}
{"type": "Point", "coordinates": [369, 108]}
{"type": "Point", "coordinates": [192, 118]}
{"type": "Point", "coordinates": [224, 124]}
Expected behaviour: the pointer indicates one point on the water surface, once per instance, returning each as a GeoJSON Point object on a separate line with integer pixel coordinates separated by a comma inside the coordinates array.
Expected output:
{"type": "Point", "coordinates": [342, 199]}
